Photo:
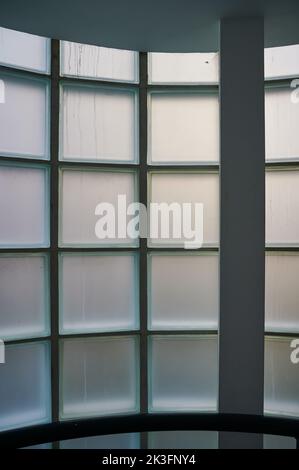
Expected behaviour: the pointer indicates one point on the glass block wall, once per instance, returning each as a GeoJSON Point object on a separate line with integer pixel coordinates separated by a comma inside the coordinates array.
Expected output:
{"type": "Point", "coordinates": [105, 326]}
{"type": "Point", "coordinates": [282, 231]}
{"type": "Point", "coordinates": [25, 258]}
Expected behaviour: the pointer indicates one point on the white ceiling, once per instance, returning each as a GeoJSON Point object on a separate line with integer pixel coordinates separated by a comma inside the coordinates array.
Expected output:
{"type": "Point", "coordinates": [155, 25]}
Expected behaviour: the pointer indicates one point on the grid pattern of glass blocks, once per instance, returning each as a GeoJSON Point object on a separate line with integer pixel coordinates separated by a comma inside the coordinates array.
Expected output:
{"type": "Point", "coordinates": [93, 305]}
{"type": "Point", "coordinates": [128, 325]}
{"type": "Point", "coordinates": [282, 235]}
{"type": "Point", "coordinates": [25, 259]}
{"type": "Point", "coordinates": [91, 296]}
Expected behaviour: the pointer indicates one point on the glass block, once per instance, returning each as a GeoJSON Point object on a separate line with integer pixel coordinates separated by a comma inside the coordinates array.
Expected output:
{"type": "Point", "coordinates": [186, 68]}
{"type": "Point", "coordinates": [24, 206]}
{"type": "Point", "coordinates": [183, 127]}
{"type": "Point", "coordinates": [25, 397]}
{"type": "Point", "coordinates": [281, 124]}
{"type": "Point", "coordinates": [181, 188]}
{"type": "Point", "coordinates": [99, 376]}
{"type": "Point", "coordinates": [111, 441]}
{"type": "Point", "coordinates": [282, 62]}
{"type": "Point", "coordinates": [24, 296]}
{"type": "Point", "coordinates": [98, 292]}
{"type": "Point", "coordinates": [282, 207]}
{"type": "Point", "coordinates": [279, 442]}
{"type": "Point", "coordinates": [24, 51]}
{"type": "Point", "coordinates": [81, 192]}
{"type": "Point", "coordinates": [281, 378]}
{"type": "Point", "coordinates": [98, 124]}
{"type": "Point", "coordinates": [183, 291]}
{"type": "Point", "coordinates": [103, 63]}
{"type": "Point", "coordinates": [183, 440]}
{"type": "Point", "coordinates": [24, 117]}
{"type": "Point", "coordinates": [282, 292]}
{"type": "Point", "coordinates": [183, 373]}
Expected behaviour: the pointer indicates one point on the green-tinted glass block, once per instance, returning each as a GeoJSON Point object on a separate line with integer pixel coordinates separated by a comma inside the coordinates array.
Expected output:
{"type": "Point", "coordinates": [99, 376]}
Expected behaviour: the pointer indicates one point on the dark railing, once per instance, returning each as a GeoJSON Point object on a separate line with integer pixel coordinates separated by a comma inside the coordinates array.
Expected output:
{"type": "Point", "coordinates": [53, 432]}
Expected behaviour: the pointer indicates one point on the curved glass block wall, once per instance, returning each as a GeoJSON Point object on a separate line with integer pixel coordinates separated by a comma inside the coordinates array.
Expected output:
{"type": "Point", "coordinates": [123, 325]}
{"type": "Point", "coordinates": [282, 231]}
{"type": "Point", "coordinates": [91, 320]}
{"type": "Point", "coordinates": [25, 253]}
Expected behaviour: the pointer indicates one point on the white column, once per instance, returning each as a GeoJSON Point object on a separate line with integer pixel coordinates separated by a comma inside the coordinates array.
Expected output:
{"type": "Point", "coordinates": [242, 233]}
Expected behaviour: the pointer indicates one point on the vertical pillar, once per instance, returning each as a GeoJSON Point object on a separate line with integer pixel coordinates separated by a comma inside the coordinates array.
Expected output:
{"type": "Point", "coordinates": [242, 227]}
{"type": "Point", "coordinates": [143, 77]}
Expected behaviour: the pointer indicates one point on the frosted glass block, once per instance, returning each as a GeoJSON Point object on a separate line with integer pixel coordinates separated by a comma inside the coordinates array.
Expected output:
{"type": "Point", "coordinates": [183, 291]}
{"type": "Point", "coordinates": [281, 378]}
{"type": "Point", "coordinates": [99, 376]}
{"type": "Point", "coordinates": [281, 124]}
{"type": "Point", "coordinates": [24, 117]}
{"type": "Point", "coordinates": [24, 206]}
{"type": "Point", "coordinates": [282, 207]}
{"type": "Point", "coordinates": [98, 292]}
{"type": "Point", "coordinates": [98, 124]}
{"type": "Point", "coordinates": [24, 296]}
{"type": "Point", "coordinates": [279, 442]}
{"type": "Point", "coordinates": [86, 61]}
{"type": "Point", "coordinates": [184, 68]}
{"type": "Point", "coordinates": [183, 373]}
{"type": "Point", "coordinates": [183, 440]}
{"type": "Point", "coordinates": [183, 127]}
{"type": "Point", "coordinates": [281, 62]}
{"type": "Point", "coordinates": [25, 397]}
{"type": "Point", "coordinates": [282, 292]}
{"type": "Point", "coordinates": [181, 188]}
{"type": "Point", "coordinates": [24, 51]}
{"type": "Point", "coordinates": [81, 192]}
{"type": "Point", "coordinates": [111, 441]}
